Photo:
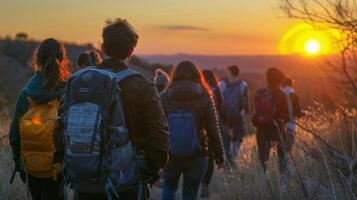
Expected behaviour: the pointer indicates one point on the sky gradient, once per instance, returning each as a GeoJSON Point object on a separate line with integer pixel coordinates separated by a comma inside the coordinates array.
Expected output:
{"type": "Point", "coordinates": [164, 26]}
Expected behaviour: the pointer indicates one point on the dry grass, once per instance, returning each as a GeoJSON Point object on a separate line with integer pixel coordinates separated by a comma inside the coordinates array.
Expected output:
{"type": "Point", "coordinates": [17, 190]}
{"type": "Point", "coordinates": [322, 174]}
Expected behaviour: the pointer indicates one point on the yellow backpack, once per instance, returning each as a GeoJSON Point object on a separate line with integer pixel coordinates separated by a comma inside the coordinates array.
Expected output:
{"type": "Point", "coordinates": [37, 129]}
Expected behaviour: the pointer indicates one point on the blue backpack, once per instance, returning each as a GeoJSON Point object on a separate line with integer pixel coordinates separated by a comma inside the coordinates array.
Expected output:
{"type": "Point", "coordinates": [99, 157]}
{"type": "Point", "coordinates": [183, 135]}
{"type": "Point", "coordinates": [234, 99]}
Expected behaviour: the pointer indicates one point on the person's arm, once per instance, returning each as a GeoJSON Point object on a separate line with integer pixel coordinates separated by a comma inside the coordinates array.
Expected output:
{"type": "Point", "coordinates": [246, 99]}
{"type": "Point", "coordinates": [156, 130]}
{"type": "Point", "coordinates": [297, 107]}
{"type": "Point", "coordinates": [21, 108]}
{"type": "Point", "coordinates": [214, 132]}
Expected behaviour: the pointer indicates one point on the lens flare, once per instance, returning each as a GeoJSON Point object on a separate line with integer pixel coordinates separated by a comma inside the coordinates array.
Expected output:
{"type": "Point", "coordinates": [306, 39]}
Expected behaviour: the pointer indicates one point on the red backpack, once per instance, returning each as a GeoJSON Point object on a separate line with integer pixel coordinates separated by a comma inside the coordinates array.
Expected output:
{"type": "Point", "coordinates": [263, 108]}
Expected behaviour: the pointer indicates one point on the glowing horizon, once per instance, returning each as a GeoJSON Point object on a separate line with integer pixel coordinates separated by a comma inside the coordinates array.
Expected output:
{"type": "Point", "coordinates": [204, 27]}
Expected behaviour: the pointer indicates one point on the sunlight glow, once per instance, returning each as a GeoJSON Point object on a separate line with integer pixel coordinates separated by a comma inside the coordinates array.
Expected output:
{"type": "Point", "coordinates": [305, 39]}
{"type": "Point", "coordinates": [312, 46]}
{"type": "Point", "coordinates": [36, 120]}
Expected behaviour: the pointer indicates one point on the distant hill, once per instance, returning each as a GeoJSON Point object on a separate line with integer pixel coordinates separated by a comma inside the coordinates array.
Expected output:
{"type": "Point", "coordinates": [15, 64]}
{"type": "Point", "coordinates": [22, 50]}
{"type": "Point", "coordinates": [15, 68]}
{"type": "Point", "coordinates": [248, 64]}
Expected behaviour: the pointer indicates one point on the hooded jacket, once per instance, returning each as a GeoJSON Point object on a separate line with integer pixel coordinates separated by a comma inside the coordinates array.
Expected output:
{"type": "Point", "coordinates": [35, 90]}
{"type": "Point", "coordinates": [187, 93]}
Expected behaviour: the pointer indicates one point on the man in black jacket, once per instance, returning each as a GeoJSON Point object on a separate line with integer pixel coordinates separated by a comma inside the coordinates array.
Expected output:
{"type": "Point", "coordinates": [145, 118]}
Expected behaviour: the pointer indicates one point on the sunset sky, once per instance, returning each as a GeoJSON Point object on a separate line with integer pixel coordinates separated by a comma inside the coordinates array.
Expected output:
{"type": "Point", "coordinates": [165, 26]}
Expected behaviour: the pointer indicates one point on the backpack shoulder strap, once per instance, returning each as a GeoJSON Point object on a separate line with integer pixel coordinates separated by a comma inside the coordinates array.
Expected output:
{"type": "Point", "coordinates": [33, 103]}
{"type": "Point", "coordinates": [222, 85]}
{"type": "Point", "coordinates": [120, 76]}
{"type": "Point", "coordinates": [242, 87]}
{"type": "Point", "coordinates": [103, 71]}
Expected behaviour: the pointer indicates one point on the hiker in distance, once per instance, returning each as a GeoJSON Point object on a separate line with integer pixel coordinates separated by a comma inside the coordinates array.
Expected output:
{"type": "Point", "coordinates": [36, 144]}
{"type": "Point", "coordinates": [189, 105]}
{"type": "Point", "coordinates": [88, 58]}
{"type": "Point", "coordinates": [294, 110]}
{"type": "Point", "coordinates": [270, 117]}
{"type": "Point", "coordinates": [114, 124]}
{"type": "Point", "coordinates": [235, 95]}
{"type": "Point", "coordinates": [161, 79]}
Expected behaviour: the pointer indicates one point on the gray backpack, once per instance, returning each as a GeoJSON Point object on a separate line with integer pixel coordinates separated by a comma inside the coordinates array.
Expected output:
{"type": "Point", "coordinates": [99, 157]}
{"type": "Point", "coordinates": [234, 99]}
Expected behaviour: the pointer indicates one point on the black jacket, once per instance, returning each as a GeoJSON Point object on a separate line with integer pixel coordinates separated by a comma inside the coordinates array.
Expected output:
{"type": "Point", "coordinates": [145, 118]}
{"type": "Point", "coordinates": [185, 93]}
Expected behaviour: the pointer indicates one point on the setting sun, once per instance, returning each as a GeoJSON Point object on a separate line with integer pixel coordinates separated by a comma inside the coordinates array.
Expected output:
{"type": "Point", "coordinates": [306, 39]}
{"type": "Point", "coordinates": [312, 47]}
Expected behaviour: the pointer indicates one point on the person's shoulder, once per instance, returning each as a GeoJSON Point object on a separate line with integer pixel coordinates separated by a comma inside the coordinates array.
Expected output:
{"type": "Point", "coordinates": [22, 94]}
{"type": "Point", "coordinates": [206, 96]}
{"type": "Point", "coordinates": [244, 83]}
{"type": "Point", "coordinates": [139, 86]}
{"type": "Point", "coordinates": [137, 81]}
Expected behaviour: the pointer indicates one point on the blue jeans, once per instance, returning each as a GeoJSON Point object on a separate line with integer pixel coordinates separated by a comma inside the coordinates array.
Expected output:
{"type": "Point", "coordinates": [237, 126]}
{"type": "Point", "coordinates": [226, 139]}
{"type": "Point", "coordinates": [193, 170]}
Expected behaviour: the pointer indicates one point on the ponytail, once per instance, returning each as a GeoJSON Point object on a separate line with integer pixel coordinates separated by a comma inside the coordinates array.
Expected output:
{"type": "Point", "coordinates": [51, 60]}
{"type": "Point", "coordinates": [51, 73]}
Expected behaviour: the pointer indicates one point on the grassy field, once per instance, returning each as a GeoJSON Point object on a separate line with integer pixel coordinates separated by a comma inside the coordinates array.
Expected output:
{"type": "Point", "coordinates": [316, 173]}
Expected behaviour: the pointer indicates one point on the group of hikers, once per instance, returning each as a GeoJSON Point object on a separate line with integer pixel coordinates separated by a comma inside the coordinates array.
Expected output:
{"type": "Point", "coordinates": [107, 132]}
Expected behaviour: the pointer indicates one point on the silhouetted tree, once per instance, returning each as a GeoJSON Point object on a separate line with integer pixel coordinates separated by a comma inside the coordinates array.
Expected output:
{"type": "Point", "coordinates": [21, 36]}
{"type": "Point", "coordinates": [336, 14]}
{"type": "Point", "coordinates": [342, 16]}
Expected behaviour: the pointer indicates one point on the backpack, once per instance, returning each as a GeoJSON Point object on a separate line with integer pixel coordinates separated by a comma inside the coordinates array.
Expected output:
{"type": "Point", "coordinates": [233, 95]}
{"type": "Point", "coordinates": [99, 157]}
{"type": "Point", "coordinates": [183, 135]}
{"type": "Point", "coordinates": [37, 136]}
{"type": "Point", "coordinates": [264, 110]}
